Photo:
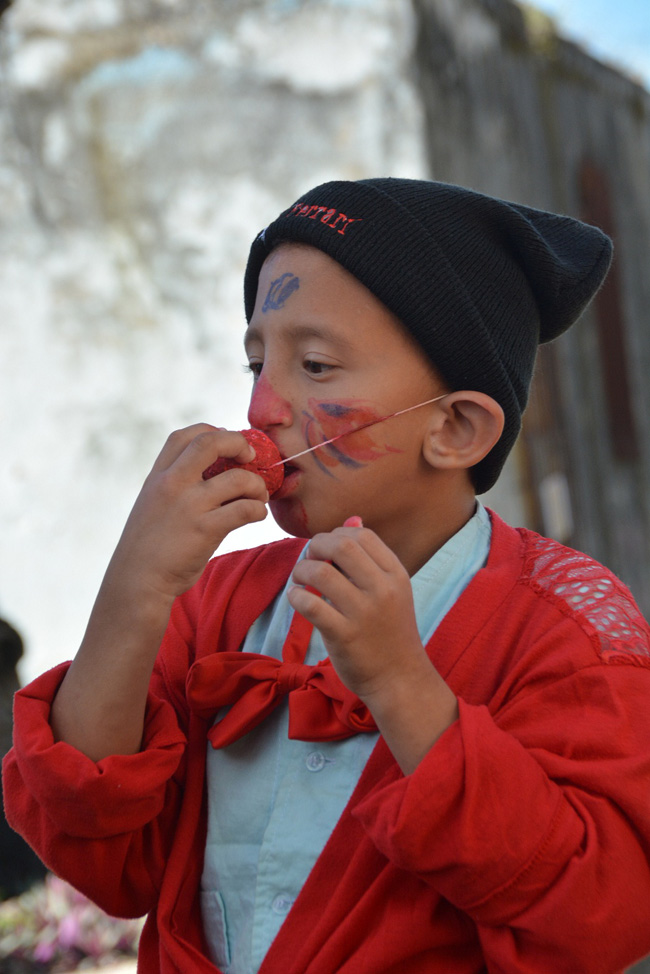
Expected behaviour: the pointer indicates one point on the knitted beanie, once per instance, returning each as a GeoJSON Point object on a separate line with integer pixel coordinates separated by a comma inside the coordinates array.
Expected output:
{"type": "Point", "coordinates": [478, 282]}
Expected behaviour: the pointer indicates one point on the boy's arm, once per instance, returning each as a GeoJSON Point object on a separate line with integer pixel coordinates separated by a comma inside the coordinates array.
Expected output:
{"type": "Point", "coordinates": [534, 822]}
{"type": "Point", "coordinates": [107, 826]}
{"type": "Point", "coordinates": [176, 524]}
{"type": "Point", "coordinates": [531, 817]}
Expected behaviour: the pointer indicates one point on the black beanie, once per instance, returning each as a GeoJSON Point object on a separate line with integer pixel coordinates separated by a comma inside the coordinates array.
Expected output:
{"type": "Point", "coordinates": [478, 282]}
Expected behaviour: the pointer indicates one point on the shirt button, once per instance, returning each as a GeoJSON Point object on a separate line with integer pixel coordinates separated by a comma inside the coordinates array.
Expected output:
{"type": "Point", "coordinates": [282, 904]}
{"type": "Point", "coordinates": [315, 761]}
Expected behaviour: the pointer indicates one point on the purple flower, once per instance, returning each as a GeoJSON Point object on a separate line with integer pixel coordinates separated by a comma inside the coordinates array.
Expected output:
{"type": "Point", "coordinates": [44, 952]}
{"type": "Point", "coordinates": [69, 932]}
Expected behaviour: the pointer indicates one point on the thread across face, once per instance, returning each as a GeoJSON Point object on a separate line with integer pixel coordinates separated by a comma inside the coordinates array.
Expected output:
{"type": "Point", "coordinates": [328, 357]}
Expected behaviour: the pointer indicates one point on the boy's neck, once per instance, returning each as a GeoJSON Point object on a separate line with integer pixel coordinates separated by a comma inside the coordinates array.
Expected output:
{"type": "Point", "coordinates": [414, 546]}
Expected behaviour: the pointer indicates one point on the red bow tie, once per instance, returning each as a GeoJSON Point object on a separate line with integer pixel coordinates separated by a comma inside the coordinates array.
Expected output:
{"type": "Point", "coordinates": [321, 708]}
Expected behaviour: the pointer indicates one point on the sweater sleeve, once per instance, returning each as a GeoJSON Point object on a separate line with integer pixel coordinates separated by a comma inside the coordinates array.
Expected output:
{"type": "Point", "coordinates": [533, 819]}
{"type": "Point", "coordinates": [112, 819]}
{"type": "Point", "coordinates": [112, 828]}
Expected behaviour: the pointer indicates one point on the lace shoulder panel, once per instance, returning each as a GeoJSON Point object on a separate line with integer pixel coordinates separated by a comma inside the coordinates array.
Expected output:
{"type": "Point", "coordinates": [593, 595]}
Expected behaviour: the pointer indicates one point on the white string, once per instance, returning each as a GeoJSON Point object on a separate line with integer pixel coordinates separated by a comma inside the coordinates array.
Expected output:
{"type": "Point", "coordinates": [372, 422]}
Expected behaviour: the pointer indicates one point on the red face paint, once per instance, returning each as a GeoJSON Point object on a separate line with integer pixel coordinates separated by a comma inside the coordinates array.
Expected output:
{"type": "Point", "coordinates": [267, 408]}
{"type": "Point", "coordinates": [326, 420]}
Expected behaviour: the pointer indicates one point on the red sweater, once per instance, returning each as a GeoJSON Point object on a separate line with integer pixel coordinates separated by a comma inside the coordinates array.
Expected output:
{"type": "Point", "coordinates": [520, 844]}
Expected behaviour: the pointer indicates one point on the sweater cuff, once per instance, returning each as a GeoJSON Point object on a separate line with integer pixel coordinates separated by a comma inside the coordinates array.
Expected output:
{"type": "Point", "coordinates": [90, 799]}
{"type": "Point", "coordinates": [478, 819]}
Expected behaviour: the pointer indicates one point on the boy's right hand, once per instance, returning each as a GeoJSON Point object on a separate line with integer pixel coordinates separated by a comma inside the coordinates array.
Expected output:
{"type": "Point", "coordinates": [179, 519]}
{"type": "Point", "coordinates": [176, 524]}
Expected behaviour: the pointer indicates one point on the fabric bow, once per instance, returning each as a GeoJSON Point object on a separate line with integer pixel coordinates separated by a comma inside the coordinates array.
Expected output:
{"type": "Point", "coordinates": [321, 708]}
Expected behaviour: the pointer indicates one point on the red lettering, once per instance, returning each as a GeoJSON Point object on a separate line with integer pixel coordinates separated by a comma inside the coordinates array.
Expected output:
{"type": "Point", "coordinates": [348, 221]}
{"type": "Point", "coordinates": [340, 223]}
{"type": "Point", "coordinates": [341, 216]}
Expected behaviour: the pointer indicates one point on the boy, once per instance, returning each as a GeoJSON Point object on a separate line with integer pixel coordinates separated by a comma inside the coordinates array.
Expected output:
{"type": "Point", "coordinates": [449, 772]}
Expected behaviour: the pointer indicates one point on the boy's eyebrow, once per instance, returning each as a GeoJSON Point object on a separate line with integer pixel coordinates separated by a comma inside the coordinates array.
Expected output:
{"type": "Point", "coordinates": [300, 331]}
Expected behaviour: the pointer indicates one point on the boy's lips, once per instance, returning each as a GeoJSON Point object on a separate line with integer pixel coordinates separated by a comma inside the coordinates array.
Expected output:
{"type": "Point", "coordinates": [290, 481]}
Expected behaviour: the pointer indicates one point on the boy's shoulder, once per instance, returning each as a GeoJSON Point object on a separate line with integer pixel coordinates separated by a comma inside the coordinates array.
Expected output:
{"type": "Point", "coordinates": [584, 590]}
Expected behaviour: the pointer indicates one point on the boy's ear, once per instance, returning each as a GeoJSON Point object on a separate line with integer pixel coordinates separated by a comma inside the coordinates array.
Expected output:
{"type": "Point", "coordinates": [463, 430]}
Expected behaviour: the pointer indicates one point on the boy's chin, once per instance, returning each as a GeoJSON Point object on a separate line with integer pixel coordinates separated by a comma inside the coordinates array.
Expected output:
{"type": "Point", "coordinates": [291, 516]}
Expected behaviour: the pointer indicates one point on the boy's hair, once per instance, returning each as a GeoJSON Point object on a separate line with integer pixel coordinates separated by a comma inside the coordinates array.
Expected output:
{"type": "Point", "coordinates": [478, 282]}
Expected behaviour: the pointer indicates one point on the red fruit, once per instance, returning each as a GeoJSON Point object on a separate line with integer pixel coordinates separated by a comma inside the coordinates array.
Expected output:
{"type": "Point", "coordinates": [266, 454]}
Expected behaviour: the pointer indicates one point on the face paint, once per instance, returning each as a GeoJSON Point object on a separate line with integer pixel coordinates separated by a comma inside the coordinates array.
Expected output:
{"type": "Point", "coordinates": [266, 406]}
{"type": "Point", "coordinates": [280, 291]}
{"type": "Point", "coordinates": [328, 420]}
{"type": "Point", "coordinates": [372, 422]}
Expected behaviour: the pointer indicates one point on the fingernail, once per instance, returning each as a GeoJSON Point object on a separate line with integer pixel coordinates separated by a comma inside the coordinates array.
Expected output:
{"type": "Point", "coordinates": [353, 522]}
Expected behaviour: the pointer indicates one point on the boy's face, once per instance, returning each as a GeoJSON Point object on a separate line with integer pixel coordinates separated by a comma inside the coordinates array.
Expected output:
{"type": "Point", "coordinates": [326, 357]}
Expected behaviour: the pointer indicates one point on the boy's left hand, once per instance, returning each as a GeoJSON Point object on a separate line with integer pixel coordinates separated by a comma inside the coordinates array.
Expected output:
{"type": "Point", "coordinates": [368, 623]}
{"type": "Point", "coordinates": [369, 628]}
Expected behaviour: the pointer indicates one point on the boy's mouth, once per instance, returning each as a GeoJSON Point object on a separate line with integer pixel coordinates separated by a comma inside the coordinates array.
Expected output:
{"type": "Point", "coordinates": [290, 468]}
{"type": "Point", "coordinates": [289, 480]}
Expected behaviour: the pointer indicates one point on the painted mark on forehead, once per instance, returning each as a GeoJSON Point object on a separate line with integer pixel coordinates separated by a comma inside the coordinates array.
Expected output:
{"type": "Point", "coordinates": [280, 291]}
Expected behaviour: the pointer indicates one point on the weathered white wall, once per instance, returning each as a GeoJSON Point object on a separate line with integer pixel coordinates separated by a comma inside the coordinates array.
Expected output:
{"type": "Point", "coordinates": [143, 143]}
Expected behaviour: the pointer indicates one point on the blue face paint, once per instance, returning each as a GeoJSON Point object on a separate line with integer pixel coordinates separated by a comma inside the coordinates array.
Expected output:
{"type": "Point", "coordinates": [333, 453]}
{"type": "Point", "coordinates": [280, 291]}
{"type": "Point", "coordinates": [342, 457]}
{"type": "Point", "coordinates": [336, 409]}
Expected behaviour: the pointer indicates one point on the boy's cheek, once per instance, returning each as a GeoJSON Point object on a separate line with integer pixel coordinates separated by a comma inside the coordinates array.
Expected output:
{"type": "Point", "coordinates": [326, 420]}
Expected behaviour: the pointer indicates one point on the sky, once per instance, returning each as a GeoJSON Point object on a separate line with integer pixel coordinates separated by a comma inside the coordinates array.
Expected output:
{"type": "Point", "coordinates": [617, 32]}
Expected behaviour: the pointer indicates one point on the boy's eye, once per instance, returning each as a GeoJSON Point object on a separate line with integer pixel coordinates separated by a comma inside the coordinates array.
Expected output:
{"type": "Point", "coordinates": [316, 368]}
{"type": "Point", "coordinates": [255, 369]}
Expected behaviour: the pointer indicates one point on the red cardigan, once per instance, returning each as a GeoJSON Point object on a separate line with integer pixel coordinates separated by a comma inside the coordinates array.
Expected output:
{"type": "Point", "coordinates": [520, 844]}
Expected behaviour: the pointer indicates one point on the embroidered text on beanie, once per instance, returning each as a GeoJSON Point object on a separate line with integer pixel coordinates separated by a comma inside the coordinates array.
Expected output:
{"type": "Point", "coordinates": [479, 282]}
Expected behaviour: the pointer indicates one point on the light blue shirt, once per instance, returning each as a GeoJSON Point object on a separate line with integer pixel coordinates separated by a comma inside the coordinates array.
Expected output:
{"type": "Point", "coordinates": [273, 802]}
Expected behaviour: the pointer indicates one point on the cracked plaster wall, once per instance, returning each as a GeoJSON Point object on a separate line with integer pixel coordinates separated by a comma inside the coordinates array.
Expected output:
{"type": "Point", "coordinates": [143, 144]}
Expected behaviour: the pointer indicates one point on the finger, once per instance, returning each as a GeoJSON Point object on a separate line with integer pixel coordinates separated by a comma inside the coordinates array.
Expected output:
{"type": "Point", "coordinates": [208, 445]}
{"type": "Point", "coordinates": [176, 443]}
{"type": "Point", "coordinates": [325, 617]}
{"type": "Point", "coordinates": [348, 557]}
{"type": "Point", "coordinates": [346, 547]}
{"type": "Point", "coordinates": [233, 484]}
{"type": "Point", "coordinates": [237, 513]}
{"type": "Point", "coordinates": [337, 588]}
